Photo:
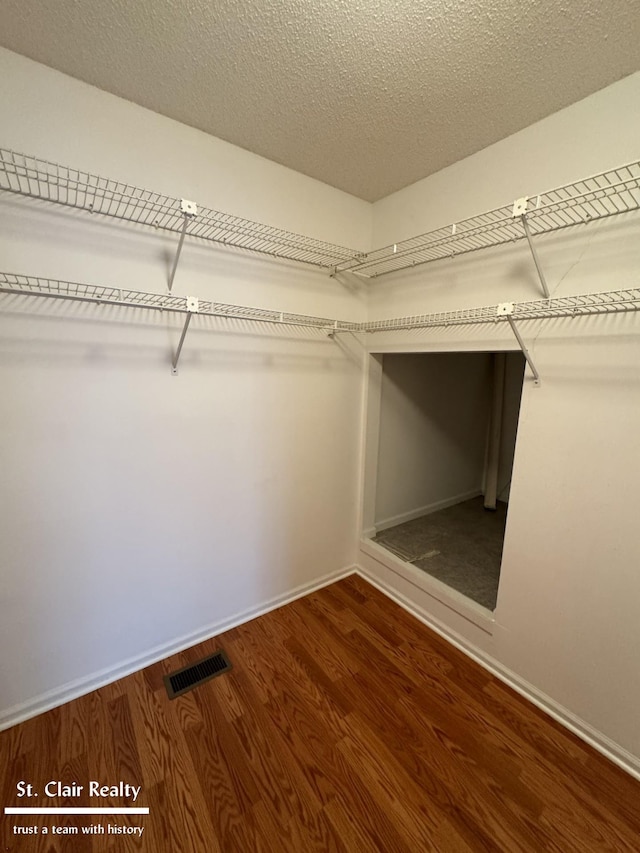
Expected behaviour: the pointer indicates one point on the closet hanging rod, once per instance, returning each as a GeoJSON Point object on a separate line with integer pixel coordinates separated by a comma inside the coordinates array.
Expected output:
{"type": "Point", "coordinates": [24, 285]}
{"type": "Point", "coordinates": [51, 182]}
{"type": "Point", "coordinates": [600, 196]}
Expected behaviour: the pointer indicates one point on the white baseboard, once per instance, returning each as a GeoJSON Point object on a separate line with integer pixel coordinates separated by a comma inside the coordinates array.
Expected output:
{"type": "Point", "coordinates": [73, 690]}
{"type": "Point", "coordinates": [424, 510]}
{"type": "Point", "coordinates": [603, 744]}
{"type": "Point", "coordinates": [82, 686]}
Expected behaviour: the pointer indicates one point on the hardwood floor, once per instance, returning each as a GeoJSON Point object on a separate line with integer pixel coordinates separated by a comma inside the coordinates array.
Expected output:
{"type": "Point", "coordinates": [345, 725]}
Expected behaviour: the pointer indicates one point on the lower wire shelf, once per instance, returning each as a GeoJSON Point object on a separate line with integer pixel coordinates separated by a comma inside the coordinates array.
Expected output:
{"type": "Point", "coordinates": [25, 285]}
{"type": "Point", "coordinates": [607, 302]}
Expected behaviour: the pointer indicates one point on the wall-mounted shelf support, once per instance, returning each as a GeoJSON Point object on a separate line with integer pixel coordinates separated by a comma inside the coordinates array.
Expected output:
{"type": "Point", "coordinates": [586, 304]}
{"type": "Point", "coordinates": [520, 209]}
{"type": "Point", "coordinates": [189, 210]}
{"type": "Point", "coordinates": [69, 187]}
{"type": "Point", "coordinates": [193, 307]}
{"type": "Point", "coordinates": [174, 365]}
{"type": "Point", "coordinates": [24, 285]}
{"type": "Point", "coordinates": [615, 191]}
{"type": "Point", "coordinates": [505, 309]}
{"type": "Point", "coordinates": [610, 193]}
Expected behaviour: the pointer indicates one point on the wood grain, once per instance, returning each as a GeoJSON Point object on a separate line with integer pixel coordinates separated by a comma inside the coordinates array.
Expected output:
{"type": "Point", "coordinates": [344, 726]}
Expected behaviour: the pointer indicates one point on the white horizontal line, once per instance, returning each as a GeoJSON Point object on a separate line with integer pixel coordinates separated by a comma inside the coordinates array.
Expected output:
{"type": "Point", "coordinates": [20, 810]}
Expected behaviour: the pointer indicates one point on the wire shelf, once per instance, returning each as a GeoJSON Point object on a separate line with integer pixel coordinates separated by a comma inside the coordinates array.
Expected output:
{"type": "Point", "coordinates": [24, 285]}
{"type": "Point", "coordinates": [608, 302]}
{"type": "Point", "coordinates": [41, 179]}
{"type": "Point", "coordinates": [607, 194]}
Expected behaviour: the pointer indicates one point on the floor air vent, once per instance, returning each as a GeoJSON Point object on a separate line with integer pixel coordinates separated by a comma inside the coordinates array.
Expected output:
{"type": "Point", "coordinates": [191, 676]}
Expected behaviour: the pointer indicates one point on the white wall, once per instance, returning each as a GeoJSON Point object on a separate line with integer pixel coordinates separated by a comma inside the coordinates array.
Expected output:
{"type": "Point", "coordinates": [566, 622]}
{"type": "Point", "coordinates": [138, 508]}
{"type": "Point", "coordinates": [433, 430]}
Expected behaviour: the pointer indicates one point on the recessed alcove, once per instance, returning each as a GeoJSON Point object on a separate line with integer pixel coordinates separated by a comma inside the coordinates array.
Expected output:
{"type": "Point", "coordinates": [446, 442]}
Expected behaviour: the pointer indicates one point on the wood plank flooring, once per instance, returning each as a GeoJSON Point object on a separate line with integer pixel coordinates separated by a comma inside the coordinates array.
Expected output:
{"type": "Point", "coordinates": [345, 725]}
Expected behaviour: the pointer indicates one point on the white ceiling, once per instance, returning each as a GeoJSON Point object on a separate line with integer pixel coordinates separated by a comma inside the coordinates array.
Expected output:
{"type": "Point", "coordinates": [365, 95]}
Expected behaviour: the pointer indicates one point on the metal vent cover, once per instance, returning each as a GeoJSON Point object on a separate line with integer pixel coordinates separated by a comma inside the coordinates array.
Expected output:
{"type": "Point", "coordinates": [185, 679]}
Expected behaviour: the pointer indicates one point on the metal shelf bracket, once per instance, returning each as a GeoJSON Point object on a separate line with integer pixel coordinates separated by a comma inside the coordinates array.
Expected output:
{"type": "Point", "coordinates": [189, 210]}
{"type": "Point", "coordinates": [505, 309]}
{"type": "Point", "coordinates": [520, 209]}
{"type": "Point", "coordinates": [193, 307]}
{"type": "Point", "coordinates": [332, 332]}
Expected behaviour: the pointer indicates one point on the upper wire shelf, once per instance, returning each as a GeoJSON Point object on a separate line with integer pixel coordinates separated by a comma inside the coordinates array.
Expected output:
{"type": "Point", "coordinates": [606, 194]}
{"type": "Point", "coordinates": [41, 179]}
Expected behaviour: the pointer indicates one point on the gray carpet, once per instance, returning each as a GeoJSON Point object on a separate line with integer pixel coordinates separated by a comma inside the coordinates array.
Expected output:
{"type": "Point", "coordinates": [460, 546]}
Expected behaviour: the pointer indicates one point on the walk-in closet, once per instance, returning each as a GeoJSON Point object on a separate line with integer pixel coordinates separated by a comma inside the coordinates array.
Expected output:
{"type": "Point", "coordinates": [310, 334]}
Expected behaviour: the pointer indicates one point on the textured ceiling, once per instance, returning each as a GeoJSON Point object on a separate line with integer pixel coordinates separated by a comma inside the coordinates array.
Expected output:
{"type": "Point", "coordinates": [366, 95]}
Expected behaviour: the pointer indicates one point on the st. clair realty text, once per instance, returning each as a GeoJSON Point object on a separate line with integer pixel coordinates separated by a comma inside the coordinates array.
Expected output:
{"type": "Point", "coordinates": [96, 789]}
